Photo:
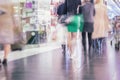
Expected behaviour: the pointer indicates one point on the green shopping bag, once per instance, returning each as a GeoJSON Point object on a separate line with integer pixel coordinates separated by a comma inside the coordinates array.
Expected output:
{"type": "Point", "coordinates": [80, 22]}
{"type": "Point", "coordinates": [75, 22]}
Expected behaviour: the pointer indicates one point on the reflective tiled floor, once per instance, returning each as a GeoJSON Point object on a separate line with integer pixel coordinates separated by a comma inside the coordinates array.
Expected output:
{"type": "Point", "coordinates": [54, 65]}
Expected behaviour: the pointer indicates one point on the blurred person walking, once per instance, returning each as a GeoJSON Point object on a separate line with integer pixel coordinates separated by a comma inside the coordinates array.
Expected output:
{"type": "Point", "coordinates": [62, 12]}
{"type": "Point", "coordinates": [101, 24]}
{"type": "Point", "coordinates": [88, 12]}
{"type": "Point", "coordinates": [6, 27]}
{"type": "Point", "coordinates": [72, 23]}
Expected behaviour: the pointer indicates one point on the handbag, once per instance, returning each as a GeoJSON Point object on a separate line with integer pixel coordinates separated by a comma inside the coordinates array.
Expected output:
{"type": "Point", "coordinates": [2, 12]}
{"type": "Point", "coordinates": [62, 19]}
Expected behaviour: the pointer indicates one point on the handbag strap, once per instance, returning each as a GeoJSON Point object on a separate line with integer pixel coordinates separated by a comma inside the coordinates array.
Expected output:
{"type": "Point", "coordinates": [78, 9]}
{"type": "Point", "coordinates": [78, 31]}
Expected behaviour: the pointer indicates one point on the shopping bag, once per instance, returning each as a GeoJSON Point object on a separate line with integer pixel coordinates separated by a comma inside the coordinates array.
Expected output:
{"type": "Point", "coordinates": [80, 18]}
{"type": "Point", "coordinates": [80, 22]}
{"type": "Point", "coordinates": [75, 21]}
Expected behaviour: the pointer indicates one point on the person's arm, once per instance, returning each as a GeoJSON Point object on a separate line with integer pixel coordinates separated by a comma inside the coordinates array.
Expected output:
{"type": "Point", "coordinates": [79, 9]}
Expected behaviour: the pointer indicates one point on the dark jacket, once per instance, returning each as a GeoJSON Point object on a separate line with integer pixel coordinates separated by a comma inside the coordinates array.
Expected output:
{"type": "Point", "coordinates": [72, 6]}
{"type": "Point", "coordinates": [62, 9]}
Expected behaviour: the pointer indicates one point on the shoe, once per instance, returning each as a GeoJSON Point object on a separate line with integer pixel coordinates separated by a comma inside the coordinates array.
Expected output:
{"type": "Point", "coordinates": [4, 62]}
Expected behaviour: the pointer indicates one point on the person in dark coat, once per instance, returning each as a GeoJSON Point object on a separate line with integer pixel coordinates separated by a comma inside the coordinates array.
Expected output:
{"type": "Point", "coordinates": [88, 12]}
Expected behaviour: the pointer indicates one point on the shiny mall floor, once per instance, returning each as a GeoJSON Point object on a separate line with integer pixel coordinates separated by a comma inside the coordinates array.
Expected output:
{"type": "Point", "coordinates": [54, 65]}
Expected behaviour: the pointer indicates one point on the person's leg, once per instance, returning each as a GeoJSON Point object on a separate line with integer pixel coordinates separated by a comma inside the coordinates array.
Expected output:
{"type": "Point", "coordinates": [119, 44]}
{"type": "Point", "coordinates": [63, 48]}
{"type": "Point", "coordinates": [74, 39]}
{"type": "Point", "coordinates": [90, 40]}
{"type": "Point", "coordinates": [69, 39]}
{"type": "Point", "coordinates": [94, 44]}
{"type": "Point", "coordinates": [101, 43]}
{"type": "Point", "coordinates": [84, 41]}
{"type": "Point", "coordinates": [7, 49]}
{"type": "Point", "coordinates": [0, 61]}
{"type": "Point", "coordinates": [64, 38]}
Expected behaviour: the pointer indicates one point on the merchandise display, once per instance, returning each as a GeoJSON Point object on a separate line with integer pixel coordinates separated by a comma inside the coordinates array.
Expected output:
{"type": "Point", "coordinates": [28, 17]}
{"type": "Point", "coordinates": [34, 17]}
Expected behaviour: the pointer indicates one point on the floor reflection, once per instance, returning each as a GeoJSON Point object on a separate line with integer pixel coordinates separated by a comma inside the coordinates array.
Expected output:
{"type": "Point", "coordinates": [4, 73]}
{"type": "Point", "coordinates": [54, 65]}
{"type": "Point", "coordinates": [112, 63]}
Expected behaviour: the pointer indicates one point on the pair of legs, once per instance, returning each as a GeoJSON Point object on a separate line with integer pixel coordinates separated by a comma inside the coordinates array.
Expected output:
{"type": "Point", "coordinates": [97, 44]}
{"type": "Point", "coordinates": [72, 36]}
{"type": "Point", "coordinates": [84, 40]}
{"type": "Point", "coordinates": [7, 49]}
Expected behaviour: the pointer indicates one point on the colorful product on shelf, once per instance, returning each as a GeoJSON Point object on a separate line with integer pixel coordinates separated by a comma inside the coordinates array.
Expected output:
{"type": "Point", "coordinates": [28, 5]}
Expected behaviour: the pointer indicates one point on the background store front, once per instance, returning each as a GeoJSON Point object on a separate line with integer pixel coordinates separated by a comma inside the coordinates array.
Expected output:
{"type": "Point", "coordinates": [38, 22]}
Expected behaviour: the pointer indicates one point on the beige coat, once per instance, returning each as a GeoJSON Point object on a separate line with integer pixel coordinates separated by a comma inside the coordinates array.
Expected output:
{"type": "Point", "coordinates": [101, 22]}
{"type": "Point", "coordinates": [6, 22]}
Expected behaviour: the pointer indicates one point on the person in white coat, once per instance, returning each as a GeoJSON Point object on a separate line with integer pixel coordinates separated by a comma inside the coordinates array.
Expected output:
{"type": "Point", "coordinates": [6, 27]}
{"type": "Point", "coordinates": [101, 23]}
